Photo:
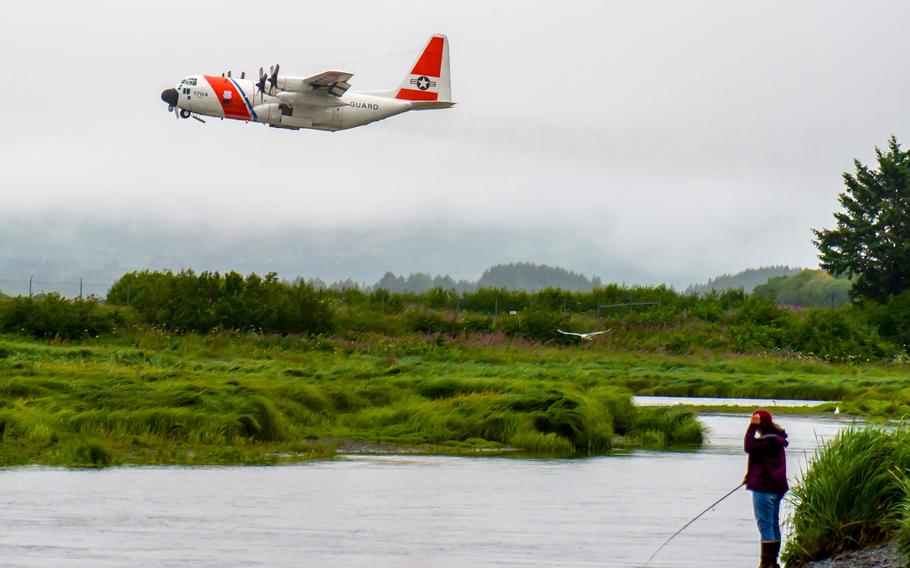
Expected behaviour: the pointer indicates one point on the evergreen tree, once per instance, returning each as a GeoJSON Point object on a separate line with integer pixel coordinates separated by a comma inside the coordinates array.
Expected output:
{"type": "Point", "coordinates": [871, 241]}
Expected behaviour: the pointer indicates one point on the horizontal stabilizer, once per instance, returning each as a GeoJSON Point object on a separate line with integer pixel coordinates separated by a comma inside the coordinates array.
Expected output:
{"type": "Point", "coordinates": [431, 105]}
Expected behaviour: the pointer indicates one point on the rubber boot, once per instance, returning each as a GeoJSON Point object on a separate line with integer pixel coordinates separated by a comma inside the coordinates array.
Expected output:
{"type": "Point", "coordinates": [775, 551]}
{"type": "Point", "coordinates": [769, 552]}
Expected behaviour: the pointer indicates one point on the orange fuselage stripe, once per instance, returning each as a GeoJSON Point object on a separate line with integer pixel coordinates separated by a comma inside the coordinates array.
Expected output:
{"type": "Point", "coordinates": [233, 106]}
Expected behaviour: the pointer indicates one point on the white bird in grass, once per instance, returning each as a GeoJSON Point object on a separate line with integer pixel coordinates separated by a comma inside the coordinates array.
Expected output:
{"type": "Point", "coordinates": [585, 336]}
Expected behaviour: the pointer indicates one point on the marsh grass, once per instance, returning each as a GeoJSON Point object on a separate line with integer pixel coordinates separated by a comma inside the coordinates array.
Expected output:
{"type": "Point", "coordinates": [902, 512]}
{"type": "Point", "coordinates": [159, 398]}
{"type": "Point", "coordinates": [230, 397]}
{"type": "Point", "coordinates": [91, 453]}
{"type": "Point", "coordinates": [853, 495]}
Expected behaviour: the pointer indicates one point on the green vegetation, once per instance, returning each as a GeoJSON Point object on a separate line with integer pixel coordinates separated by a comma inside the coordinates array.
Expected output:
{"type": "Point", "coordinates": [811, 288]}
{"type": "Point", "coordinates": [872, 237]}
{"type": "Point", "coordinates": [210, 301]}
{"type": "Point", "coordinates": [535, 277]}
{"type": "Point", "coordinates": [855, 494]}
{"type": "Point", "coordinates": [513, 276]}
{"type": "Point", "coordinates": [212, 368]}
{"type": "Point", "coordinates": [643, 318]}
{"type": "Point", "coordinates": [746, 280]}
{"type": "Point", "coordinates": [52, 316]}
{"type": "Point", "coordinates": [154, 397]}
{"type": "Point", "coordinates": [149, 396]}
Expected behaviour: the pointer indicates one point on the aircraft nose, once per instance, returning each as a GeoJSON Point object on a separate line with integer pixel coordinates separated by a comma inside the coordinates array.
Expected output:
{"type": "Point", "coordinates": [170, 96]}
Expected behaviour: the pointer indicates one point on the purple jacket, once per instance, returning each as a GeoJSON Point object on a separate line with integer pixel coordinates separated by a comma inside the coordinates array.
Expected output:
{"type": "Point", "coordinates": [767, 462]}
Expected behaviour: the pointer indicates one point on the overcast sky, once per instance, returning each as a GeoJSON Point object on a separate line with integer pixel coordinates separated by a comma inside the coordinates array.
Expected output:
{"type": "Point", "coordinates": [643, 141]}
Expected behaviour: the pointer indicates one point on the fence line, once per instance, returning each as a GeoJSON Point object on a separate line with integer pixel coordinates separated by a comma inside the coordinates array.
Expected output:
{"type": "Point", "coordinates": [78, 287]}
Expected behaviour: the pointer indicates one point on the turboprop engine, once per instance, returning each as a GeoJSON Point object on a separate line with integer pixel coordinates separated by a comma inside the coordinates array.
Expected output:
{"type": "Point", "coordinates": [268, 113]}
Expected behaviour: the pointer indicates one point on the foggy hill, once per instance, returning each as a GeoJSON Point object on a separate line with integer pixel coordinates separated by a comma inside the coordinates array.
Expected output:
{"type": "Point", "coordinates": [514, 276]}
{"type": "Point", "coordinates": [811, 288]}
{"type": "Point", "coordinates": [747, 279]}
{"type": "Point", "coordinates": [533, 277]}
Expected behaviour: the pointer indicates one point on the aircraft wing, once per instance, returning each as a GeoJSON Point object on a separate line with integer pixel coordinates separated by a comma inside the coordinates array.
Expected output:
{"type": "Point", "coordinates": [331, 83]}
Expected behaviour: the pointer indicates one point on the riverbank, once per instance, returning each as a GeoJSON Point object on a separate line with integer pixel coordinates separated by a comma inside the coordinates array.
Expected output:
{"type": "Point", "coordinates": [883, 556]}
{"type": "Point", "coordinates": [148, 397]}
{"type": "Point", "coordinates": [193, 400]}
{"type": "Point", "coordinates": [854, 495]}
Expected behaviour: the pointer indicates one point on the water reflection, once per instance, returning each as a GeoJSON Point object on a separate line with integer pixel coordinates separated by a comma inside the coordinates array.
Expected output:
{"type": "Point", "coordinates": [768, 403]}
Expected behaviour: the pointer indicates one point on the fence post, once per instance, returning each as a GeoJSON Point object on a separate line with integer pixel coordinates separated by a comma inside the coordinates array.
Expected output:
{"type": "Point", "coordinates": [80, 288]}
{"type": "Point", "coordinates": [30, 285]}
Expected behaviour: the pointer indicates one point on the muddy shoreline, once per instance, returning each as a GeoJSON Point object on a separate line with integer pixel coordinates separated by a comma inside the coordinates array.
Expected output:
{"type": "Point", "coordinates": [883, 556]}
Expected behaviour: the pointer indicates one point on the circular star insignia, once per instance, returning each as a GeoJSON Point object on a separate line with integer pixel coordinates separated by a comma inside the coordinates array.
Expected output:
{"type": "Point", "coordinates": [423, 83]}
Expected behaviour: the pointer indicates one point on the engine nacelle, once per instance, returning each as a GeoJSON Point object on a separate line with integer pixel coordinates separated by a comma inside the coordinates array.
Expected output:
{"type": "Point", "coordinates": [269, 113]}
{"type": "Point", "coordinates": [291, 84]}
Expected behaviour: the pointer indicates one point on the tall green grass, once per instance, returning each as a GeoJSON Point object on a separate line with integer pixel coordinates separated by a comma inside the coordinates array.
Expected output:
{"type": "Point", "coordinates": [197, 399]}
{"type": "Point", "coordinates": [853, 495]}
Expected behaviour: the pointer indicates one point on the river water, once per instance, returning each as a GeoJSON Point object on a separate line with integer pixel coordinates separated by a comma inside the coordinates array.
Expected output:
{"type": "Point", "coordinates": [401, 511]}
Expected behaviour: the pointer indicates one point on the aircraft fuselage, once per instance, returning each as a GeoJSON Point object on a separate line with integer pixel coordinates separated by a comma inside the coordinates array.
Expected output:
{"type": "Point", "coordinates": [238, 99]}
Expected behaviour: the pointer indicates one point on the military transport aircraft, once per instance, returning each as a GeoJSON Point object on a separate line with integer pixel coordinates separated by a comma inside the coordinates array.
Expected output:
{"type": "Point", "coordinates": [321, 102]}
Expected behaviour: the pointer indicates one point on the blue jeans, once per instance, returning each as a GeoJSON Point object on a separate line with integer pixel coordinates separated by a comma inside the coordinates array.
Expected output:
{"type": "Point", "coordinates": [767, 514]}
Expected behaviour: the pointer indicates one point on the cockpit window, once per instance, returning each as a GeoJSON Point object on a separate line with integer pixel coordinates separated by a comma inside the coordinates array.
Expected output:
{"type": "Point", "coordinates": [190, 81]}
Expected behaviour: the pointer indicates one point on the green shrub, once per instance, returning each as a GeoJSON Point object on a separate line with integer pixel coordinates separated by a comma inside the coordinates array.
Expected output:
{"type": "Point", "coordinates": [427, 321]}
{"type": "Point", "coordinates": [537, 324]}
{"type": "Point", "coordinates": [850, 497]}
{"type": "Point", "coordinates": [55, 316]}
{"type": "Point", "coordinates": [902, 511]}
{"type": "Point", "coordinates": [91, 453]}
{"type": "Point", "coordinates": [892, 318]}
{"type": "Point", "coordinates": [261, 420]}
{"type": "Point", "coordinates": [837, 335]}
{"type": "Point", "coordinates": [187, 301]}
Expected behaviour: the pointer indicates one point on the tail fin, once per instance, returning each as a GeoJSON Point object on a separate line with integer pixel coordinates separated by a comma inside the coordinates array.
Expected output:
{"type": "Point", "coordinates": [429, 79]}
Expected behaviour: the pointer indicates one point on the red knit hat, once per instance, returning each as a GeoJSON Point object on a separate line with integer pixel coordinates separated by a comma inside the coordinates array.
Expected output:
{"type": "Point", "coordinates": [764, 416]}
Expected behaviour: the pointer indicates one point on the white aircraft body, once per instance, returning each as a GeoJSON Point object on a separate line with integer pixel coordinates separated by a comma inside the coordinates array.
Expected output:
{"type": "Point", "coordinates": [320, 102]}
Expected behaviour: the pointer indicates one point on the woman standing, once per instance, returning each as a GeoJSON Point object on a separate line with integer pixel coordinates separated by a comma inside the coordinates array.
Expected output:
{"type": "Point", "coordinates": [766, 478]}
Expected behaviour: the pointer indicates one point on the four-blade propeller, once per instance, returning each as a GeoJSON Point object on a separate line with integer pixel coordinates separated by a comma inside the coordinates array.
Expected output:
{"type": "Point", "coordinates": [272, 79]}
{"type": "Point", "coordinates": [260, 85]}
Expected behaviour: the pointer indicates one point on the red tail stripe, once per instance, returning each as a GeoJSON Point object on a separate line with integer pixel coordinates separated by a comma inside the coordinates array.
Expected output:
{"type": "Point", "coordinates": [430, 63]}
{"type": "Point", "coordinates": [412, 95]}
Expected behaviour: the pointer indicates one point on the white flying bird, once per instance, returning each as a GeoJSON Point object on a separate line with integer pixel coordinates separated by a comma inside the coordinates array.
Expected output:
{"type": "Point", "coordinates": [586, 336]}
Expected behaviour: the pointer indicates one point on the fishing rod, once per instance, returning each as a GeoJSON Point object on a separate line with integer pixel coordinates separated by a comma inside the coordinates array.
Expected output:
{"type": "Point", "coordinates": [674, 535]}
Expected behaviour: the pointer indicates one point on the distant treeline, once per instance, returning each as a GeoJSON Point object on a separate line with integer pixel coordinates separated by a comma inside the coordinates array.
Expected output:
{"type": "Point", "coordinates": [514, 276]}
{"type": "Point", "coordinates": [642, 318]}
{"type": "Point", "coordinates": [747, 280]}
{"type": "Point", "coordinates": [811, 288]}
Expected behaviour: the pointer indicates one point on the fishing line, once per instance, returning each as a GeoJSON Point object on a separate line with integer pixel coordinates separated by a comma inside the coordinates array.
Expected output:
{"type": "Point", "coordinates": [674, 535]}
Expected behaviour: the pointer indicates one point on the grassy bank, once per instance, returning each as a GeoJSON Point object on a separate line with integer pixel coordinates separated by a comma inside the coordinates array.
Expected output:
{"type": "Point", "coordinates": [856, 494]}
{"type": "Point", "coordinates": [152, 397]}
{"type": "Point", "coordinates": [145, 396]}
